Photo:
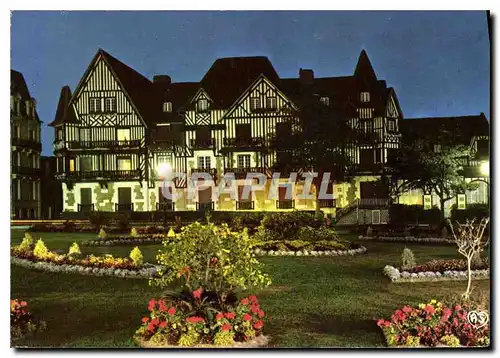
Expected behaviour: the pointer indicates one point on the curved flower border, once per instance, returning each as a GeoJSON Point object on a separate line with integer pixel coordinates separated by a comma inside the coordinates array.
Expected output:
{"type": "Point", "coordinates": [119, 242]}
{"type": "Point", "coordinates": [429, 240]}
{"type": "Point", "coordinates": [351, 252]}
{"type": "Point", "coordinates": [397, 276]}
{"type": "Point", "coordinates": [143, 273]}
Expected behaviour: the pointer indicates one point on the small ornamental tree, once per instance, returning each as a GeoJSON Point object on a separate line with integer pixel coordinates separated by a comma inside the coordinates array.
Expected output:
{"type": "Point", "coordinates": [470, 243]}
{"type": "Point", "coordinates": [408, 259]}
{"type": "Point", "coordinates": [102, 234]}
{"type": "Point", "coordinates": [136, 256]}
{"type": "Point", "coordinates": [40, 250]}
{"type": "Point", "coordinates": [74, 250]}
{"type": "Point", "coordinates": [133, 232]}
{"type": "Point", "coordinates": [212, 257]}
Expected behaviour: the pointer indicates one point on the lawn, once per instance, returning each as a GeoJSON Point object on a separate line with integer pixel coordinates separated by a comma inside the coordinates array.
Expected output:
{"type": "Point", "coordinates": [313, 301]}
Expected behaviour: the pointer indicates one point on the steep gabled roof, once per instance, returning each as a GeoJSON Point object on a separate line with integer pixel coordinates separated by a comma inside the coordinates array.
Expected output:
{"type": "Point", "coordinates": [460, 128]}
{"type": "Point", "coordinates": [18, 86]}
{"type": "Point", "coordinates": [178, 94]}
{"type": "Point", "coordinates": [229, 77]}
{"type": "Point", "coordinates": [65, 112]}
{"type": "Point", "coordinates": [364, 69]}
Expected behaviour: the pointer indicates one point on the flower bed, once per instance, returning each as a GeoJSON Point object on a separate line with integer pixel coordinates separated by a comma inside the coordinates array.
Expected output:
{"type": "Point", "coordinates": [350, 252]}
{"type": "Point", "coordinates": [198, 319]}
{"type": "Point", "coordinates": [397, 276]}
{"type": "Point", "coordinates": [22, 322]}
{"type": "Point", "coordinates": [421, 240]}
{"type": "Point", "coordinates": [433, 325]}
{"type": "Point", "coordinates": [127, 240]}
{"type": "Point", "coordinates": [305, 248]}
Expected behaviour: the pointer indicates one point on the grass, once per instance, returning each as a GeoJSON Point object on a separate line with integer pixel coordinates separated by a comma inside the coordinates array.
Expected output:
{"type": "Point", "coordinates": [313, 301]}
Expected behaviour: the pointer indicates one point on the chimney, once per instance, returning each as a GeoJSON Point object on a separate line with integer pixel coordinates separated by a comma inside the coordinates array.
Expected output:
{"type": "Point", "coordinates": [306, 76]}
{"type": "Point", "coordinates": [163, 79]}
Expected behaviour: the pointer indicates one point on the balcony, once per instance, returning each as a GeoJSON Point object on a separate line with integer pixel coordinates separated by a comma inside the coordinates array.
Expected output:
{"type": "Point", "coordinates": [162, 143]}
{"type": "Point", "coordinates": [244, 142]}
{"type": "Point", "coordinates": [165, 206]}
{"type": "Point", "coordinates": [285, 204]}
{"type": "Point", "coordinates": [27, 143]}
{"type": "Point", "coordinates": [211, 171]}
{"type": "Point", "coordinates": [21, 170]}
{"type": "Point", "coordinates": [200, 144]}
{"type": "Point", "coordinates": [365, 203]}
{"type": "Point", "coordinates": [124, 207]}
{"type": "Point", "coordinates": [327, 203]}
{"type": "Point", "coordinates": [58, 145]}
{"type": "Point", "coordinates": [241, 173]}
{"type": "Point", "coordinates": [205, 206]}
{"type": "Point", "coordinates": [102, 174]}
{"type": "Point", "coordinates": [245, 205]}
{"type": "Point", "coordinates": [104, 144]}
{"type": "Point", "coordinates": [85, 208]}
{"type": "Point", "coordinates": [369, 167]}
{"type": "Point", "coordinates": [367, 138]}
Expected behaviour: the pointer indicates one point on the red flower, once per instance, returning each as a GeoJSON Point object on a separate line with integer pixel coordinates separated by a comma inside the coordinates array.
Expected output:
{"type": "Point", "coordinates": [155, 321]}
{"type": "Point", "coordinates": [247, 317]}
{"type": "Point", "coordinates": [230, 315]}
{"type": "Point", "coordinates": [219, 316]}
{"type": "Point", "coordinates": [407, 309]}
{"type": "Point", "coordinates": [194, 319]}
{"type": "Point", "coordinates": [197, 294]}
{"type": "Point", "coordinates": [161, 303]}
{"type": "Point", "coordinates": [258, 324]}
{"type": "Point", "coordinates": [151, 304]}
{"type": "Point", "coordinates": [171, 311]}
{"type": "Point", "coordinates": [255, 308]}
{"type": "Point", "coordinates": [226, 327]}
{"type": "Point", "coordinates": [151, 327]}
{"type": "Point", "coordinates": [429, 309]}
{"type": "Point", "coordinates": [244, 301]}
{"type": "Point", "coordinates": [163, 324]}
{"type": "Point", "coordinates": [458, 308]}
{"type": "Point", "coordinates": [253, 298]}
{"type": "Point", "coordinates": [261, 313]}
{"type": "Point", "coordinates": [24, 303]}
{"type": "Point", "coordinates": [213, 260]}
{"type": "Point", "coordinates": [145, 319]}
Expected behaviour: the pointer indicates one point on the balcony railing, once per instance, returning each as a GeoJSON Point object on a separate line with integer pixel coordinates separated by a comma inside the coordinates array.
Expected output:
{"type": "Point", "coordinates": [104, 144]}
{"type": "Point", "coordinates": [244, 142]}
{"type": "Point", "coordinates": [210, 171]}
{"type": "Point", "coordinates": [104, 174]}
{"type": "Point", "coordinates": [58, 145]}
{"type": "Point", "coordinates": [327, 203]}
{"type": "Point", "coordinates": [85, 208]}
{"type": "Point", "coordinates": [163, 143]}
{"type": "Point", "coordinates": [25, 170]}
{"type": "Point", "coordinates": [27, 143]}
{"type": "Point", "coordinates": [245, 205]}
{"type": "Point", "coordinates": [124, 207]}
{"type": "Point", "coordinates": [240, 173]}
{"type": "Point", "coordinates": [285, 204]}
{"type": "Point", "coordinates": [198, 144]}
{"type": "Point", "coordinates": [205, 206]}
{"type": "Point", "coordinates": [165, 206]}
{"type": "Point", "coordinates": [373, 202]}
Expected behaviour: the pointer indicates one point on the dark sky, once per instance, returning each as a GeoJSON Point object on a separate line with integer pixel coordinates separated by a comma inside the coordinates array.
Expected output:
{"type": "Point", "coordinates": [438, 62]}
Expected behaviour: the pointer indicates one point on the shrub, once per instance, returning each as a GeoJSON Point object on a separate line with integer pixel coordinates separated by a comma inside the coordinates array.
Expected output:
{"type": "Point", "coordinates": [369, 231]}
{"type": "Point", "coordinates": [298, 245]}
{"type": "Point", "coordinates": [286, 225]}
{"type": "Point", "coordinates": [215, 258]}
{"type": "Point", "coordinates": [329, 246]}
{"type": "Point", "coordinates": [133, 232]}
{"type": "Point", "coordinates": [74, 249]}
{"type": "Point", "coordinates": [136, 256]}
{"type": "Point", "coordinates": [102, 234]}
{"type": "Point", "coordinates": [472, 211]}
{"type": "Point", "coordinates": [171, 233]}
{"type": "Point", "coordinates": [27, 243]}
{"type": "Point", "coordinates": [407, 259]}
{"type": "Point", "coordinates": [40, 250]}
{"type": "Point", "coordinates": [98, 220]}
{"type": "Point", "coordinates": [446, 265]}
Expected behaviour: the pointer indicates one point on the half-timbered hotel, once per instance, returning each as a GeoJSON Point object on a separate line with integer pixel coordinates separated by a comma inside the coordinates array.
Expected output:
{"type": "Point", "coordinates": [118, 128]}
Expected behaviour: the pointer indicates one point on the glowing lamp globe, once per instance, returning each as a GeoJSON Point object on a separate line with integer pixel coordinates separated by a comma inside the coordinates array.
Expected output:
{"type": "Point", "coordinates": [164, 170]}
{"type": "Point", "coordinates": [485, 168]}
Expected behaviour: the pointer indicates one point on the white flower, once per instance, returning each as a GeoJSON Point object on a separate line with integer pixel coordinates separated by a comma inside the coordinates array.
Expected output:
{"type": "Point", "coordinates": [414, 275]}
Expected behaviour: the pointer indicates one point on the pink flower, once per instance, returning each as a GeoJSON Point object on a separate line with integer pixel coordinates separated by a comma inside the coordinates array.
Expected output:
{"type": "Point", "coordinates": [244, 301]}
{"type": "Point", "coordinates": [226, 327]}
{"type": "Point", "coordinates": [145, 319]}
{"type": "Point", "coordinates": [247, 317]}
{"type": "Point", "coordinates": [407, 309]}
{"type": "Point", "coordinates": [258, 325]}
{"type": "Point", "coordinates": [151, 327]}
{"type": "Point", "coordinates": [151, 304]}
{"type": "Point", "coordinates": [161, 303]}
{"type": "Point", "coordinates": [253, 298]}
{"type": "Point", "coordinates": [429, 309]}
{"type": "Point", "coordinates": [261, 313]}
{"type": "Point", "coordinates": [155, 321]}
{"type": "Point", "coordinates": [219, 316]}
{"type": "Point", "coordinates": [171, 311]}
{"type": "Point", "coordinates": [194, 319]}
{"type": "Point", "coordinates": [230, 315]}
{"type": "Point", "coordinates": [163, 324]}
{"type": "Point", "coordinates": [197, 294]}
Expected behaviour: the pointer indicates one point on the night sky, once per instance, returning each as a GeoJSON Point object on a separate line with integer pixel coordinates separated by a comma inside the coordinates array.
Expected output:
{"type": "Point", "coordinates": [438, 62]}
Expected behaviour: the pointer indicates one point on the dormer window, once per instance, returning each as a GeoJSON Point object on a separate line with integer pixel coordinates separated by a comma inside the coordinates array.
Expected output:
{"type": "Point", "coordinates": [202, 105]}
{"type": "Point", "coordinates": [271, 102]}
{"type": "Point", "coordinates": [94, 105]}
{"type": "Point", "coordinates": [167, 107]}
{"type": "Point", "coordinates": [255, 104]}
{"type": "Point", "coordinates": [391, 124]}
{"type": "Point", "coordinates": [109, 104]}
{"type": "Point", "coordinates": [364, 97]}
{"type": "Point", "coordinates": [325, 101]}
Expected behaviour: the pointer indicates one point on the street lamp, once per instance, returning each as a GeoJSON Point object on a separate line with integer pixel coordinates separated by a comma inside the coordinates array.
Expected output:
{"type": "Point", "coordinates": [485, 168]}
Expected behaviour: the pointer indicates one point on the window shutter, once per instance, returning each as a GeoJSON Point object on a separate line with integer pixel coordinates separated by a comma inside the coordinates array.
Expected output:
{"type": "Point", "coordinates": [461, 202]}
{"type": "Point", "coordinates": [427, 202]}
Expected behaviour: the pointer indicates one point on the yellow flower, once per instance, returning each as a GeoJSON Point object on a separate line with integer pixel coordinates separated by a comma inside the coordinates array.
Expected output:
{"type": "Point", "coordinates": [433, 301]}
{"type": "Point", "coordinates": [422, 305]}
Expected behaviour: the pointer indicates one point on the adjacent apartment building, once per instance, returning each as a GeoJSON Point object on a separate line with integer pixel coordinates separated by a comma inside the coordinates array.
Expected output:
{"type": "Point", "coordinates": [118, 128]}
{"type": "Point", "coordinates": [25, 151]}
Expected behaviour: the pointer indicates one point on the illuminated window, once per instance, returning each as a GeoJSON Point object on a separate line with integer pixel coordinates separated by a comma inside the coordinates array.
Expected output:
{"type": "Point", "coordinates": [364, 97]}
{"type": "Point", "coordinates": [202, 105]}
{"type": "Point", "coordinates": [204, 163]}
{"type": "Point", "coordinates": [325, 101]}
{"type": "Point", "coordinates": [167, 107]}
{"type": "Point", "coordinates": [110, 104]}
{"type": "Point", "coordinates": [437, 148]}
{"type": "Point", "coordinates": [95, 105]}
{"type": "Point", "coordinates": [255, 104]}
{"type": "Point", "coordinates": [271, 102]}
{"type": "Point", "coordinates": [124, 164]}
{"type": "Point", "coordinates": [391, 125]}
{"type": "Point", "coordinates": [243, 161]}
{"type": "Point", "coordinates": [123, 134]}
{"type": "Point", "coordinates": [71, 165]}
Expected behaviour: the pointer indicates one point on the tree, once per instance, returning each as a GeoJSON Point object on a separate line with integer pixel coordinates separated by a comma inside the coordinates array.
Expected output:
{"type": "Point", "coordinates": [470, 243]}
{"type": "Point", "coordinates": [441, 172]}
{"type": "Point", "coordinates": [318, 141]}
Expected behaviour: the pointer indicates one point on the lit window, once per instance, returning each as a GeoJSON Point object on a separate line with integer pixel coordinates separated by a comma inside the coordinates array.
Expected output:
{"type": "Point", "coordinates": [95, 105]}
{"type": "Point", "coordinates": [325, 101]}
{"type": "Point", "coordinates": [437, 148]}
{"type": "Point", "coordinates": [71, 165]}
{"type": "Point", "coordinates": [255, 104]}
{"type": "Point", "coordinates": [391, 125]}
{"type": "Point", "coordinates": [365, 97]}
{"type": "Point", "coordinates": [167, 107]}
{"type": "Point", "coordinates": [271, 102]}
{"type": "Point", "coordinates": [59, 134]}
{"type": "Point", "coordinates": [243, 161]}
{"type": "Point", "coordinates": [124, 164]}
{"type": "Point", "coordinates": [202, 105]}
{"type": "Point", "coordinates": [204, 163]}
{"type": "Point", "coordinates": [123, 134]}
{"type": "Point", "coordinates": [110, 105]}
